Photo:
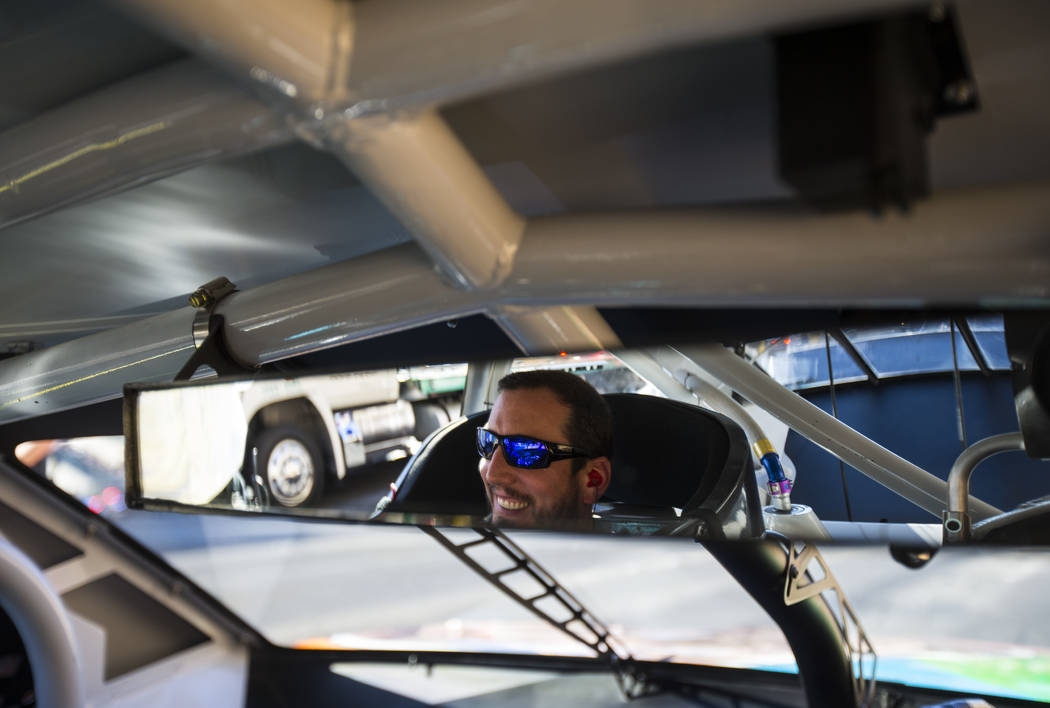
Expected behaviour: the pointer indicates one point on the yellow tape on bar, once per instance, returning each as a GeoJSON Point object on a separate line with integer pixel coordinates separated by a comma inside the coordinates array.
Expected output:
{"type": "Point", "coordinates": [763, 447]}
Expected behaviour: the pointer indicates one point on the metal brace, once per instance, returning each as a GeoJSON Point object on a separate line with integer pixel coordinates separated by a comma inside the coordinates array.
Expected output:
{"type": "Point", "coordinates": [799, 585]}
{"type": "Point", "coordinates": [595, 634]}
{"type": "Point", "coordinates": [208, 332]}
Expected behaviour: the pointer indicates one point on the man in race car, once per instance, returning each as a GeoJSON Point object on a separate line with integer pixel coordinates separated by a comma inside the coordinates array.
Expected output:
{"type": "Point", "coordinates": [545, 450]}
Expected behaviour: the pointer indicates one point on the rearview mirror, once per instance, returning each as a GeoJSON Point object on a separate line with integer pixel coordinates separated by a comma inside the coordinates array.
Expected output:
{"type": "Point", "coordinates": [401, 445]}
{"type": "Point", "coordinates": [628, 442]}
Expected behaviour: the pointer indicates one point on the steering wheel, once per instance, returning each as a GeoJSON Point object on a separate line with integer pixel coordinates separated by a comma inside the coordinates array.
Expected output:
{"type": "Point", "coordinates": [41, 619]}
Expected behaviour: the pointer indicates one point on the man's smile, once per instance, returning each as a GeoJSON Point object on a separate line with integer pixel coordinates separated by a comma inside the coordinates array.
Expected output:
{"type": "Point", "coordinates": [510, 503]}
{"type": "Point", "coordinates": [508, 500]}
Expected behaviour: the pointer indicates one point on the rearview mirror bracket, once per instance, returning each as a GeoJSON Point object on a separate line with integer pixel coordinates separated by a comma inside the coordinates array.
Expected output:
{"type": "Point", "coordinates": [212, 351]}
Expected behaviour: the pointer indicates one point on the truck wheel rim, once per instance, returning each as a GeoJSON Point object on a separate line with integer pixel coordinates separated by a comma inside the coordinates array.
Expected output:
{"type": "Point", "coordinates": [290, 471]}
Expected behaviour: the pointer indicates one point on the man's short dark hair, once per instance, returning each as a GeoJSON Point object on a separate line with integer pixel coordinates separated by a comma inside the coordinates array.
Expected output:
{"type": "Point", "coordinates": [589, 425]}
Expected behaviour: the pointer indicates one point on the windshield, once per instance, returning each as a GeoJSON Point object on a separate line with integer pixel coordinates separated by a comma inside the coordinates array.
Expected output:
{"type": "Point", "coordinates": [360, 587]}
{"type": "Point", "coordinates": [309, 585]}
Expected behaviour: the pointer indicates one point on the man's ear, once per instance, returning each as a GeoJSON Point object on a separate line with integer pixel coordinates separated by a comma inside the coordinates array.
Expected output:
{"type": "Point", "coordinates": [595, 478]}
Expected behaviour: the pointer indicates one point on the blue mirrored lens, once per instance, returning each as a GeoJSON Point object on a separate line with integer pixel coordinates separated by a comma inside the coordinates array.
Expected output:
{"type": "Point", "coordinates": [487, 442]}
{"type": "Point", "coordinates": [525, 452]}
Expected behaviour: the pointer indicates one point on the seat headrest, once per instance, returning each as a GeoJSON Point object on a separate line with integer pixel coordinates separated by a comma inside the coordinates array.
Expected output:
{"type": "Point", "coordinates": [668, 453]}
{"type": "Point", "coordinates": [442, 477]}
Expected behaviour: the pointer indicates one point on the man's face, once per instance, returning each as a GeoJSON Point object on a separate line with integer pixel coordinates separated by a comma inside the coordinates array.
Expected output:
{"type": "Point", "coordinates": [521, 497]}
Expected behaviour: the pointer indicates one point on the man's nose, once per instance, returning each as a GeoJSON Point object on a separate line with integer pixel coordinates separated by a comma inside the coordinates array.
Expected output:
{"type": "Point", "coordinates": [496, 471]}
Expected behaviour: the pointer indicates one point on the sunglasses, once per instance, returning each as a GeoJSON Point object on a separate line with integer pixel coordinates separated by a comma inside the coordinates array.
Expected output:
{"type": "Point", "coordinates": [525, 453]}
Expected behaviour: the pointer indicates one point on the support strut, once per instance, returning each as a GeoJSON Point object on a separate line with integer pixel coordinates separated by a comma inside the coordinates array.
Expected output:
{"type": "Point", "coordinates": [576, 620]}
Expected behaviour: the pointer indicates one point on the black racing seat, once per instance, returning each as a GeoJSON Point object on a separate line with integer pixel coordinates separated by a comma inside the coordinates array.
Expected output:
{"type": "Point", "coordinates": [672, 454]}
{"type": "Point", "coordinates": [666, 455]}
{"type": "Point", "coordinates": [442, 477]}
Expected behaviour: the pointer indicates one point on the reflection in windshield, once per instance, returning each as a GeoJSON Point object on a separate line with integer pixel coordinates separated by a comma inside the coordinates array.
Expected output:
{"type": "Point", "coordinates": [910, 349]}
{"type": "Point", "coordinates": [91, 469]}
{"type": "Point", "coordinates": [359, 587]}
{"type": "Point", "coordinates": [800, 360]}
{"type": "Point", "coordinates": [991, 339]}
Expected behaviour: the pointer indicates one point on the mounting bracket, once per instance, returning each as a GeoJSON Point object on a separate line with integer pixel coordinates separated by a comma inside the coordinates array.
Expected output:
{"type": "Point", "coordinates": [208, 332]}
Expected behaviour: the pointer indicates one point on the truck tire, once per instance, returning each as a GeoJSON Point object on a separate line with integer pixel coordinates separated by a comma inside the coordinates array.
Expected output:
{"type": "Point", "coordinates": [291, 462]}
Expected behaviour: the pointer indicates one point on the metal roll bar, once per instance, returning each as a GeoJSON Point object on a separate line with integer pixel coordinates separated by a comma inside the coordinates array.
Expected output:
{"type": "Point", "coordinates": [957, 521]}
{"type": "Point", "coordinates": [682, 257]}
{"type": "Point", "coordinates": [404, 55]}
{"type": "Point", "coordinates": [407, 56]}
{"type": "Point", "coordinates": [866, 456]}
{"type": "Point", "coordinates": [135, 131]}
